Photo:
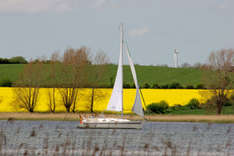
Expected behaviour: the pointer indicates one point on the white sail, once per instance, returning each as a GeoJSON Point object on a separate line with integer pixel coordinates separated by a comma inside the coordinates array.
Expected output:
{"type": "Point", "coordinates": [137, 107]}
{"type": "Point", "coordinates": [116, 100]}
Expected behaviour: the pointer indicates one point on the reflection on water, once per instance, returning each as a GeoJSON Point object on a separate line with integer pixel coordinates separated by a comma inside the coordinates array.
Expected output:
{"type": "Point", "coordinates": [156, 138]}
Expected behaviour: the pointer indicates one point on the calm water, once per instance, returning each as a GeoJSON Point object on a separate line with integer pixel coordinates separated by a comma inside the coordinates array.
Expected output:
{"type": "Point", "coordinates": [156, 138]}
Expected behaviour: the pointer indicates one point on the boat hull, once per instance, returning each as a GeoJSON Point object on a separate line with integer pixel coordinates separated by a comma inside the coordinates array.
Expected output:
{"type": "Point", "coordinates": [112, 125]}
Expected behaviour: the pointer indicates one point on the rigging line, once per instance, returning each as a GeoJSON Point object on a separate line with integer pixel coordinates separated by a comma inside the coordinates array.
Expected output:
{"type": "Point", "coordinates": [143, 98]}
{"type": "Point", "coordinates": [126, 43]}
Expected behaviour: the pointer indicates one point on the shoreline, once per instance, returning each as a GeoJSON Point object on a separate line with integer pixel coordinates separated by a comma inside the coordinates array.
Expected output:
{"type": "Point", "coordinates": [152, 118]}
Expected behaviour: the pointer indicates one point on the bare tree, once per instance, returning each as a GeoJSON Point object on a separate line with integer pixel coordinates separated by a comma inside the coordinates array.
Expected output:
{"type": "Point", "coordinates": [26, 91]}
{"type": "Point", "coordinates": [219, 77]}
{"type": "Point", "coordinates": [100, 67]}
{"type": "Point", "coordinates": [96, 95]}
{"type": "Point", "coordinates": [197, 65]}
{"type": "Point", "coordinates": [101, 58]}
{"type": "Point", "coordinates": [186, 65]}
{"type": "Point", "coordinates": [74, 76]}
{"type": "Point", "coordinates": [53, 75]}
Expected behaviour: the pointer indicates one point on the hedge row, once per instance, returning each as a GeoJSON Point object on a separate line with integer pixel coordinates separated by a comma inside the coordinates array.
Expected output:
{"type": "Point", "coordinates": [162, 107]}
{"type": "Point", "coordinates": [13, 60]}
{"type": "Point", "coordinates": [8, 83]}
{"type": "Point", "coordinates": [174, 85]}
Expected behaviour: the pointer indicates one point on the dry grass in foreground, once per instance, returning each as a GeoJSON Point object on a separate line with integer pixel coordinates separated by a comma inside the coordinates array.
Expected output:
{"type": "Point", "coordinates": [161, 118]}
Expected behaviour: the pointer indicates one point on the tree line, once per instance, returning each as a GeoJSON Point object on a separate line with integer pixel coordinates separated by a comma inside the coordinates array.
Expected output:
{"type": "Point", "coordinates": [13, 60]}
{"type": "Point", "coordinates": [65, 75]}
{"type": "Point", "coordinates": [77, 68]}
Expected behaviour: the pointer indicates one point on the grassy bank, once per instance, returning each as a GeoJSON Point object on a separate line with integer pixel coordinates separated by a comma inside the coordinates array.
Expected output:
{"type": "Point", "coordinates": [227, 110]}
{"type": "Point", "coordinates": [155, 118]}
{"type": "Point", "coordinates": [146, 74]}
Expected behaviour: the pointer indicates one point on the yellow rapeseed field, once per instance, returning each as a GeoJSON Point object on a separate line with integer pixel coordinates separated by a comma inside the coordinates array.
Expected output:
{"type": "Point", "coordinates": [102, 96]}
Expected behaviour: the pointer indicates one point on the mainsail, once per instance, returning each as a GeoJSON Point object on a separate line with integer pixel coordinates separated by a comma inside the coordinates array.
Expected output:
{"type": "Point", "coordinates": [116, 100]}
{"type": "Point", "coordinates": [137, 107]}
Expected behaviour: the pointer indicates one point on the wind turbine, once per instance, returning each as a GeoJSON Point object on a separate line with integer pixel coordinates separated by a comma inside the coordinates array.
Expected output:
{"type": "Point", "coordinates": [176, 64]}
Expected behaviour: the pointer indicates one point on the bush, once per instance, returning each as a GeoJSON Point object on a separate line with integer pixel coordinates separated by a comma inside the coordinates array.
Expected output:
{"type": "Point", "coordinates": [175, 85]}
{"type": "Point", "coordinates": [200, 86]}
{"type": "Point", "coordinates": [229, 101]}
{"type": "Point", "coordinates": [146, 85]}
{"type": "Point", "coordinates": [104, 86]}
{"type": "Point", "coordinates": [176, 107]}
{"type": "Point", "coordinates": [4, 61]}
{"type": "Point", "coordinates": [158, 108]}
{"type": "Point", "coordinates": [126, 85]}
{"type": "Point", "coordinates": [6, 83]}
{"type": "Point", "coordinates": [133, 85]}
{"type": "Point", "coordinates": [189, 87]}
{"type": "Point", "coordinates": [164, 86]}
{"type": "Point", "coordinates": [156, 86]}
{"type": "Point", "coordinates": [193, 104]}
{"type": "Point", "coordinates": [210, 104]}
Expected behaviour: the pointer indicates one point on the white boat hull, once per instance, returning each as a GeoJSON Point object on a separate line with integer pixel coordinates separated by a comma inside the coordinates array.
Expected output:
{"type": "Point", "coordinates": [126, 125]}
{"type": "Point", "coordinates": [110, 123]}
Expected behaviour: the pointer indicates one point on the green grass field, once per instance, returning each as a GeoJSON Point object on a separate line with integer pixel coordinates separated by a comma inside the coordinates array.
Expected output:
{"type": "Point", "coordinates": [227, 110]}
{"type": "Point", "coordinates": [165, 75]}
{"type": "Point", "coordinates": [146, 74]}
{"type": "Point", "coordinates": [10, 72]}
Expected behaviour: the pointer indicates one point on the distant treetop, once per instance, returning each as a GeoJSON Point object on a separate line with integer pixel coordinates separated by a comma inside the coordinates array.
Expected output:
{"type": "Point", "coordinates": [13, 60]}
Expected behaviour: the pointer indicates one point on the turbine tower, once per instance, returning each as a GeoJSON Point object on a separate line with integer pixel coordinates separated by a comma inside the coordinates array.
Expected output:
{"type": "Point", "coordinates": [176, 64]}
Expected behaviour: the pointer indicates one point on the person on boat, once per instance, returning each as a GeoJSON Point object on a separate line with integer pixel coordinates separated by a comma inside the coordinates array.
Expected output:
{"type": "Point", "coordinates": [81, 119]}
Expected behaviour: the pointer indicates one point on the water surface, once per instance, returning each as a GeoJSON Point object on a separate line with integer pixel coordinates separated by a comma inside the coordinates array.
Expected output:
{"type": "Point", "coordinates": [156, 138]}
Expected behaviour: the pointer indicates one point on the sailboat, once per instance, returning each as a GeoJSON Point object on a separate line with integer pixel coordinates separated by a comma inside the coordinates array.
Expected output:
{"type": "Point", "coordinates": [116, 100]}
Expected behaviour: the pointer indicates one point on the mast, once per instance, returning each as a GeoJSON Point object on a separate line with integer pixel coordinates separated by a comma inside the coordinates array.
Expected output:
{"type": "Point", "coordinates": [121, 53]}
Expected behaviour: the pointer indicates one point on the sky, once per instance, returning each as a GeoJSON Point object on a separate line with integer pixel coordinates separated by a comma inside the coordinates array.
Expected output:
{"type": "Point", "coordinates": [153, 28]}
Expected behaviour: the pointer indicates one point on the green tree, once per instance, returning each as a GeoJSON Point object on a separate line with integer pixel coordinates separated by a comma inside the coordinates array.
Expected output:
{"type": "Point", "coordinates": [18, 60]}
